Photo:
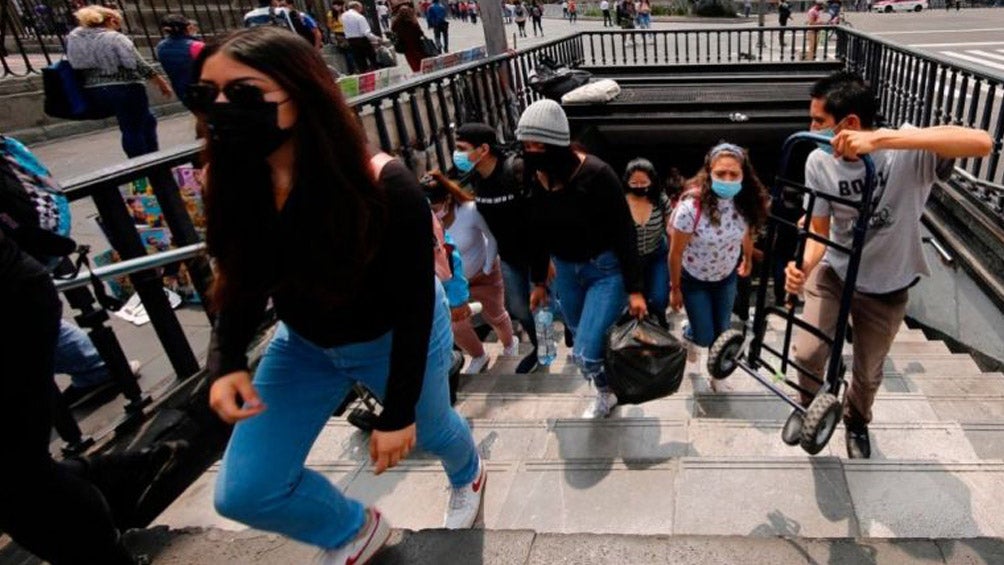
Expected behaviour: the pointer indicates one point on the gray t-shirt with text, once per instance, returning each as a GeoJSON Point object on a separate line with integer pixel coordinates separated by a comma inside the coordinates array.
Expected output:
{"type": "Point", "coordinates": [892, 258]}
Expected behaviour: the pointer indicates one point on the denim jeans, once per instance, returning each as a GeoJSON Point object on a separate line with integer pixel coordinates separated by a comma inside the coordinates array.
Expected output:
{"type": "Point", "coordinates": [263, 482]}
{"type": "Point", "coordinates": [128, 103]}
{"type": "Point", "coordinates": [592, 298]}
{"type": "Point", "coordinates": [516, 279]}
{"type": "Point", "coordinates": [656, 266]}
{"type": "Point", "coordinates": [77, 357]}
{"type": "Point", "coordinates": [709, 307]}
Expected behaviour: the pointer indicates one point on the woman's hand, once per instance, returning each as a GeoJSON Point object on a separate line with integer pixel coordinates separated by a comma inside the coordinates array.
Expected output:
{"type": "Point", "coordinates": [538, 297]}
{"type": "Point", "coordinates": [676, 299]}
{"type": "Point", "coordinates": [745, 268]}
{"type": "Point", "coordinates": [460, 313]}
{"type": "Point", "coordinates": [223, 397]}
{"type": "Point", "coordinates": [163, 86]}
{"type": "Point", "coordinates": [387, 449]}
{"type": "Point", "coordinates": [637, 306]}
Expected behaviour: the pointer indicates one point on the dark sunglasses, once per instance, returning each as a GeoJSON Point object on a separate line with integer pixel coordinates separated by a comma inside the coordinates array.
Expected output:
{"type": "Point", "coordinates": [200, 96]}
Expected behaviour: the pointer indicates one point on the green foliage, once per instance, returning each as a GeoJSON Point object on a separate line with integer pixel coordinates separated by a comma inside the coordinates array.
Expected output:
{"type": "Point", "coordinates": [715, 9]}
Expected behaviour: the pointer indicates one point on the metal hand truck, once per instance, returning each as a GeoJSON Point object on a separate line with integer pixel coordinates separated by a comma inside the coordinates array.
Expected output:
{"type": "Point", "coordinates": [732, 350]}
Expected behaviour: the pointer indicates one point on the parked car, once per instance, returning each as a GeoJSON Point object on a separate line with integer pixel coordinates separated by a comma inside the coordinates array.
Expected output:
{"type": "Point", "coordinates": [888, 6]}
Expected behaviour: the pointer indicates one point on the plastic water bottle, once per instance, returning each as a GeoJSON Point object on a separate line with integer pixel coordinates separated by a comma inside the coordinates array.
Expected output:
{"type": "Point", "coordinates": [547, 348]}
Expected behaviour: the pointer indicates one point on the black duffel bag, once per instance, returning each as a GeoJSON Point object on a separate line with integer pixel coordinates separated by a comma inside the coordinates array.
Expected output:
{"type": "Point", "coordinates": [553, 80]}
{"type": "Point", "coordinates": [643, 360]}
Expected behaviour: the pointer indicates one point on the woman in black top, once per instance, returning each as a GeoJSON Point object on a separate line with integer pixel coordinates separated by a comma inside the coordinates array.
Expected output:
{"type": "Point", "coordinates": [580, 220]}
{"type": "Point", "coordinates": [649, 208]}
{"type": "Point", "coordinates": [298, 211]}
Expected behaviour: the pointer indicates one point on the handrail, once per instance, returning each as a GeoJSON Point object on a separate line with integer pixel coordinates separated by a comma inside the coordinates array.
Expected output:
{"type": "Point", "coordinates": [131, 266]}
{"type": "Point", "coordinates": [932, 57]}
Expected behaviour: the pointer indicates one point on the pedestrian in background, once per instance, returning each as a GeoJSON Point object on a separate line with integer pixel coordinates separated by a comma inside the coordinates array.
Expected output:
{"type": "Point", "coordinates": [440, 26]}
{"type": "Point", "coordinates": [177, 52]}
{"type": "Point", "coordinates": [360, 37]}
{"type": "Point", "coordinates": [536, 16]}
{"type": "Point", "coordinates": [409, 35]}
{"type": "Point", "coordinates": [520, 12]}
{"type": "Point", "coordinates": [114, 76]}
{"type": "Point", "coordinates": [605, 9]}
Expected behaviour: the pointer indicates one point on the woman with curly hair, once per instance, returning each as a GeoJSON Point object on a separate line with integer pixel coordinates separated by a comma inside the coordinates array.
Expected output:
{"type": "Point", "coordinates": [713, 226]}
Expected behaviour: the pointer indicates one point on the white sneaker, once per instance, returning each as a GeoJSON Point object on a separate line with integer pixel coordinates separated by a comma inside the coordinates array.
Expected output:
{"type": "Point", "coordinates": [360, 550]}
{"type": "Point", "coordinates": [477, 364]}
{"type": "Point", "coordinates": [465, 502]}
{"type": "Point", "coordinates": [513, 349]}
{"type": "Point", "coordinates": [601, 405]}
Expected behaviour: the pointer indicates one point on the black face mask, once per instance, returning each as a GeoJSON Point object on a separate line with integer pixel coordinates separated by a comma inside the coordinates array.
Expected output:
{"type": "Point", "coordinates": [248, 131]}
{"type": "Point", "coordinates": [558, 163]}
{"type": "Point", "coordinates": [640, 190]}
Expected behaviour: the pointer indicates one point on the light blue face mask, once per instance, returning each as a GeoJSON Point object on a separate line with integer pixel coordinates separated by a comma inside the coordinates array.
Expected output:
{"type": "Point", "coordinates": [726, 189]}
{"type": "Point", "coordinates": [828, 133]}
{"type": "Point", "coordinates": [462, 161]}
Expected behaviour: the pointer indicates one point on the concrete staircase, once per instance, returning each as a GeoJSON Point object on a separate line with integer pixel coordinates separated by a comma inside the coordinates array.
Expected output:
{"type": "Point", "coordinates": [698, 463]}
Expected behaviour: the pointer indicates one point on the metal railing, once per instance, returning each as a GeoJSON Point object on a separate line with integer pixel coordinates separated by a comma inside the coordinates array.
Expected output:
{"type": "Point", "coordinates": [708, 46]}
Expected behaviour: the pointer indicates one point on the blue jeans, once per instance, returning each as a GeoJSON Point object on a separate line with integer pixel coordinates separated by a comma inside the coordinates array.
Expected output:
{"type": "Point", "coordinates": [517, 297]}
{"type": "Point", "coordinates": [592, 298]}
{"type": "Point", "coordinates": [130, 105]}
{"type": "Point", "coordinates": [77, 357]}
{"type": "Point", "coordinates": [263, 482]}
{"type": "Point", "coordinates": [656, 265]}
{"type": "Point", "coordinates": [709, 306]}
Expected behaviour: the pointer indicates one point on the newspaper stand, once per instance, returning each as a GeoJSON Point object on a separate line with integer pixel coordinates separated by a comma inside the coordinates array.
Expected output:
{"type": "Point", "coordinates": [732, 350]}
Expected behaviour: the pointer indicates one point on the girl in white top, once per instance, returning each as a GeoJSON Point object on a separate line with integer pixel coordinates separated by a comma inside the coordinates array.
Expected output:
{"type": "Point", "coordinates": [479, 253]}
{"type": "Point", "coordinates": [713, 228]}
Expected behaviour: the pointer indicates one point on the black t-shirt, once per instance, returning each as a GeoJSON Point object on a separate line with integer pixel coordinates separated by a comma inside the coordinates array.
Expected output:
{"type": "Point", "coordinates": [505, 207]}
{"type": "Point", "coordinates": [397, 293]}
{"type": "Point", "coordinates": [584, 219]}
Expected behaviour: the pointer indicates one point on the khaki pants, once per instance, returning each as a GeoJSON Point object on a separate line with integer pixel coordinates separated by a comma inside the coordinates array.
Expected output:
{"type": "Point", "coordinates": [876, 321]}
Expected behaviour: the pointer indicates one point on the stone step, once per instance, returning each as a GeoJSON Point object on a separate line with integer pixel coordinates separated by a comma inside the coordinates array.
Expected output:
{"type": "Point", "coordinates": [968, 408]}
{"type": "Point", "coordinates": [986, 438]}
{"type": "Point", "coordinates": [760, 497]}
{"type": "Point", "coordinates": [890, 407]}
{"type": "Point", "coordinates": [986, 384]}
{"type": "Point", "coordinates": [652, 440]}
{"type": "Point", "coordinates": [525, 547]}
{"type": "Point", "coordinates": [695, 381]}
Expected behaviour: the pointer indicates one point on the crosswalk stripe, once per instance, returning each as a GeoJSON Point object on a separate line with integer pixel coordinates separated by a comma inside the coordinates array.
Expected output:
{"type": "Point", "coordinates": [994, 56]}
{"type": "Point", "coordinates": [971, 59]}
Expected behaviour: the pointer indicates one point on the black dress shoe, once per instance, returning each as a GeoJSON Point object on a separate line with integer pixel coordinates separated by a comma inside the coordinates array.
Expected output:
{"type": "Point", "coordinates": [859, 445]}
{"type": "Point", "coordinates": [791, 433]}
{"type": "Point", "coordinates": [569, 338]}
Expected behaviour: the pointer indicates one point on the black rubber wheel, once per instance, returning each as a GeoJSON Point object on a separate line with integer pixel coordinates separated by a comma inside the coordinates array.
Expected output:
{"type": "Point", "coordinates": [362, 419]}
{"type": "Point", "coordinates": [820, 421]}
{"type": "Point", "coordinates": [918, 8]}
{"type": "Point", "coordinates": [888, 9]}
{"type": "Point", "coordinates": [724, 355]}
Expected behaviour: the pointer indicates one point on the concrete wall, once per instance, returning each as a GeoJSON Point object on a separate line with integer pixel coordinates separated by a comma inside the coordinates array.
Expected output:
{"type": "Point", "coordinates": [951, 302]}
{"type": "Point", "coordinates": [22, 112]}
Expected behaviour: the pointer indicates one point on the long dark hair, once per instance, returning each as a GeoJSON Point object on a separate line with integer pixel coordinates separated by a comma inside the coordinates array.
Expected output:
{"type": "Point", "coordinates": [336, 208]}
{"type": "Point", "coordinates": [640, 164]}
{"type": "Point", "coordinates": [752, 201]}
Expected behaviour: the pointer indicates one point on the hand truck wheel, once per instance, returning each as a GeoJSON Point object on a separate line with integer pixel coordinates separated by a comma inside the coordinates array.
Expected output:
{"type": "Point", "coordinates": [820, 421]}
{"type": "Point", "coordinates": [363, 419]}
{"type": "Point", "coordinates": [724, 355]}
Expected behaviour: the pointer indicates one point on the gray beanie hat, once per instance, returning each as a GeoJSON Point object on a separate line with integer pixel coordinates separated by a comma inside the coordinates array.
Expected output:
{"type": "Point", "coordinates": [544, 121]}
